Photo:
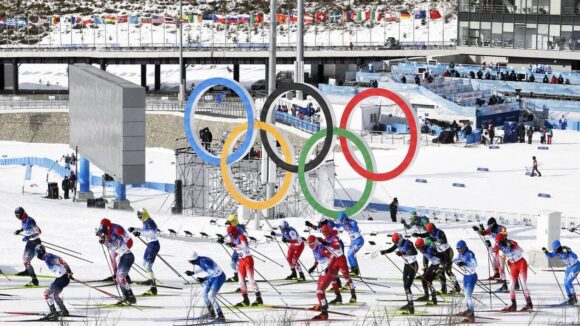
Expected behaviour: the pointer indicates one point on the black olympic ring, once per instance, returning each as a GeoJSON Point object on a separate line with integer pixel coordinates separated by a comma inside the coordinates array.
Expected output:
{"type": "Point", "coordinates": [328, 115]}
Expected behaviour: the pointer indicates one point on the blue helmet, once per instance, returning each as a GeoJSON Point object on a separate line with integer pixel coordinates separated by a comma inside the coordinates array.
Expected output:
{"type": "Point", "coordinates": [283, 225]}
{"type": "Point", "coordinates": [461, 245]}
{"type": "Point", "coordinates": [556, 244]}
{"type": "Point", "coordinates": [341, 216]}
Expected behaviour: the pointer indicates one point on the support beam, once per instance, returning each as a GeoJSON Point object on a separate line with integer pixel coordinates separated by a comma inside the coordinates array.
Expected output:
{"type": "Point", "coordinates": [2, 77]}
{"type": "Point", "coordinates": [157, 77]}
{"type": "Point", "coordinates": [144, 75]}
{"type": "Point", "coordinates": [237, 72]}
{"type": "Point", "coordinates": [15, 77]}
{"type": "Point", "coordinates": [103, 65]}
{"type": "Point", "coordinates": [84, 179]}
{"type": "Point", "coordinates": [121, 201]}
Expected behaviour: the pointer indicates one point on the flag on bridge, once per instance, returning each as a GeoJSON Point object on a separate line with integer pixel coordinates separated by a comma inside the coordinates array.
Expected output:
{"type": "Point", "coordinates": [55, 20]}
{"type": "Point", "coordinates": [133, 20]}
{"type": "Point", "coordinates": [434, 14]}
{"type": "Point", "coordinates": [157, 20]}
{"type": "Point", "coordinates": [123, 19]}
{"type": "Point", "coordinates": [87, 20]}
{"type": "Point", "coordinates": [421, 14]}
{"type": "Point", "coordinates": [146, 20]}
{"type": "Point", "coordinates": [110, 19]}
{"type": "Point", "coordinates": [405, 15]}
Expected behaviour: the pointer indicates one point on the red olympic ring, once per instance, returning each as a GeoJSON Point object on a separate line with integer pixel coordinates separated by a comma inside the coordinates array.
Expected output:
{"type": "Point", "coordinates": [413, 130]}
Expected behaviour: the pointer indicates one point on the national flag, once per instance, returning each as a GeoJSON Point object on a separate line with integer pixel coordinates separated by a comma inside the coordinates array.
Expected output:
{"type": "Point", "coordinates": [110, 19]}
{"type": "Point", "coordinates": [292, 17]}
{"type": "Point", "coordinates": [434, 14]}
{"type": "Point", "coordinates": [232, 19]}
{"type": "Point", "coordinates": [87, 20]}
{"type": "Point", "coordinates": [2, 22]}
{"type": "Point", "coordinates": [156, 20]}
{"type": "Point", "coordinates": [308, 19]}
{"type": "Point", "coordinates": [75, 20]}
{"type": "Point", "coordinates": [21, 22]}
{"type": "Point", "coordinates": [146, 20]}
{"type": "Point", "coordinates": [367, 15]}
{"type": "Point", "coordinates": [334, 16]}
{"type": "Point", "coordinates": [123, 19]}
{"type": "Point", "coordinates": [420, 14]}
{"type": "Point", "coordinates": [244, 19]}
{"type": "Point", "coordinates": [55, 20]}
{"type": "Point", "coordinates": [321, 17]}
{"type": "Point", "coordinates": [280, 18]}
{"type": "Point", "coordinates": [133, 20]}
{"type": "Point", "coordinates": [170, 19]}
{"type": "Point", "coordinates": [405, 15]}
{"type": "Point", "coordinates": [207, 17]}
{"type": "Point", "coordinates": [219, 19]}
{"type": "Point", "coordinates": [99, 20]}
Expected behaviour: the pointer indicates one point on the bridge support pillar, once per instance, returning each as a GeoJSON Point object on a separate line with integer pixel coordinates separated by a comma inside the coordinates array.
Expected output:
{"type": "Point", "coordinates": [121, 201]}
{"type": "Point", "coordinates": [84, 179]}
{"type": "Point", "coordinates": [236, 72]}
{"type": "Point", "coordinates": [103, 66]}
{"type": "Point", "coordinates": [266, 75]}
{"type": "Point", "coordinates": [157, 77]}
{"type": "Point", "coordinates": [144, 75]}
{"type": "Point", "coordinates": [317, 74]}
{"type": "Point", "coordinates": [2, 77]}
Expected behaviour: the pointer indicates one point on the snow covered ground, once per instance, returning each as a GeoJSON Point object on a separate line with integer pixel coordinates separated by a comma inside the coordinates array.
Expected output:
{"type": "Point", "coordinates": [504, 188]}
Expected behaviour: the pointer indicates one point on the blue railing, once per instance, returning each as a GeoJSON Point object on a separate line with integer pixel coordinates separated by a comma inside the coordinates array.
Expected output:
{"type": "Point", "coordinates": [293, 121]}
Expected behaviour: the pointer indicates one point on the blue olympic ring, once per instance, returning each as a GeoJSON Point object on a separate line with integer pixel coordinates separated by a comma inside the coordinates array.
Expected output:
{"type": "Point", "coordinates": [193, 139]}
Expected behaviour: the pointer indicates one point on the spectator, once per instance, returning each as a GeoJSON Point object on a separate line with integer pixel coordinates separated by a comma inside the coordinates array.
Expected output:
{"type": "Point", "coordinates": [404, 79]}
{"type": "Point", "coordinates": [72, 181]}
{"type": "Point", "coordinates": [513, 76]}
{"type": "Point", "coordinates": [430, 79]}
{"type": "Point", "coordinates": [532, 79]}
{"type": "Point", "coordinates": [563, 123]}
{"type": "Point", "coordinates": [542, 136]}
{"type": "Point", "coordinates": [350, 45]}
{"type": "Point", "coordinates": [560, 80]}
{"type": "Point", "coordinates": [65, 186]}
{"type": "Point", "coordinates": [479, 74]}
{"type": "Point", "coordinates": [485, 138]}
{"type": "Point", "coordinates": [567, 82]}
{"type": "Point", "coordinates": [530, 134]}
{"type": "Point", "coordinates": [467, 130]}
{"type": "Point", "coordinates": [546, 80]}
{"type": "Point", "coordinates": [549, 135]}
{"type": "Point", "coordinates": [521, 133]}
{"type": "Point", "coordinates": [446, 73]}
{"type": "Point", "coordinates": [491, 132]}
{"type": "Point", "coordinates": [472, 74]}
{"type": "Point", "coordinates": [535, 167]}
{"type": "Point", "coordinates": [293, 110]}
{"type": "Point", "coordinates": [455, 128]}
{"type": "Point", "coordinates": [393, 208]}
{"type": "Point", "coordinates": [417, 80]}
{"type": "Point", "coordinates": [488, 76]}
{"type": "Point", "coordinates": [554, 80]}
{"type": "Point", "coordinates": [502, 76]}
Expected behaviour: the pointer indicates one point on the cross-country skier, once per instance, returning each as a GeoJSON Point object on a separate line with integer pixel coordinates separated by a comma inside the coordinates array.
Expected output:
{"type": "Point", "coordinates": [63, 274]}
{"type": "Point", "coordinates": [31, 235]}
{"type": "Point", "coordinates": [336, 247]}
{"type": "Point", "coordinates": [570, 259]}
{"type": "Point", "coordinates": [296, 246]}
{"type": "Point", "coordinates": [325, 259]}
{"type": "Point", "coordinates": [434, 257]}
{"type": "Point", "coordinates": [245, 263]}
{"type": "Point", "coordinates": [322, 220]}
{"type": "Point", "coordinates": [492, 230]}
{"type": "Point", "coordinates": [233, 221]}
{"type": "Point", "coordinates": [212, 282]}
{"type": "Point", "coordinates": [407, 251]}
{"type": "Point", "coordinates": [466, 260]}
{"type": "Point", "coordinates": [518, 267]}
{"type": "Point", "coordinates": [440, 240]}
{"type": "Point", "coordinates": [356, 240]}
{"type": "Point", "coordinates": [149, 231]}
{"type": "Point", "coordinates": [418, 222]}
{"type": "Point", "coordinates": [119, 243]}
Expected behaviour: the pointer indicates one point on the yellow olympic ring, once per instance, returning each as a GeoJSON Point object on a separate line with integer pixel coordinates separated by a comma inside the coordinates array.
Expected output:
{"type": "Point", "coordinates": [226, 172]}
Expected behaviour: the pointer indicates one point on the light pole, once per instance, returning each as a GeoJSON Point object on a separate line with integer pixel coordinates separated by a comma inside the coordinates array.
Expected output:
{"type": "Point", "coordinates": [181, 66]}
{"type": "Point", "coordinates": [299, 64]}
{"type": "Point", "coordinates": [270, 168]}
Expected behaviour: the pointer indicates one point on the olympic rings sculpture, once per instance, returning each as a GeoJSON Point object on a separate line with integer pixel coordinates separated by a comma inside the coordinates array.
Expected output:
{"type": "Point", "coordinates": [287, 163]}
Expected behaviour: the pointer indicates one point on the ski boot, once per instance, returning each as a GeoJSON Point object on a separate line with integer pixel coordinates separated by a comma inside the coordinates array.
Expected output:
{"type": "Point", "coordinates": [292, 276]}
{"type": "Point", "coordinates": [408, 308]}
{"type": "Point", "coordinates": [245, 302]}
{"type": "Point", "coordinates": [337, 300]}
{"type": "Point", "coordinates": [511, 308]}
{"type": "Point", "coordinates": [259, 300]}
{"type": "Point", "coordinates": [32, 283]}
{"type": "Point", "coordinates": [354, 271]}
{"type": "Point", "coordinates": [352, 296]}
{"type": "Point", "coordinates": [23, 273]}
{"type": "Point", "coordinates": [423, 298]}
{"type": "Point", "coordinates": [503, 288]}
{"type": "Point", "coordinates": [210, 313]}
{"type": "Point", "coordinates": [464, 313]}
{"type": "Point", "coordinates": [51, 316]}
{"type": "Point", "coordinates": [433, 300]}
{"type": "Point", "coordinates": [233, 278]}
{"type": "Point", "coordinates": [322, 316]}
{"type": "Point", "coordinates": [572, 300]}
{"type": "Point", "coordinates": [456, 289]}
{"type": "Point", "coordinates": [529, 306]}
{"type": "Point", "coordinates": [63, 311]}
{"type": "Point", "coordinates": [495, 276]}
{"type": "Point", "coordinates": [220, 316]}
{"type": "Point", "coordinates": [469, 317]}
{"type": "Point", "coordinates": [151, 291]}
{"type": "Point", "coordinates": [301, 278]}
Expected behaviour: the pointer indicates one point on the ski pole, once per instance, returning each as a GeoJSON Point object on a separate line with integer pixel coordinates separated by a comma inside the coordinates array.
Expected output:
{"type": "Point", "coordinates": [489, 263]}
{"type": "Point", "coordinates": [286, 257]}
{"type": "Point", "coordinates": [57, 246]}
{"type": "Point", "coordinates": [481, 285]}
{"type": "Point", "coordinates": [400, 270]}
{"type": "Point", "coordinates": [558, 282]}
{"type": "Point", "coordinates": [139, 269]}
{"type": "Point", "coordinates": [423, 277]}
{"type": "Point", "coordinates": [166, 263]}
{"type": "Point", "coordinates": [259, 253]}
{"type": "Point", "coordinates": [6, 276]}
{"type": "Point", "coordinates": [110, 265]}
{"type": "Point", "coordinates": [221, 299]}
{"type": "Point", "coordinates": [96, 288]}
{"type": "Point", "coordinates": [461, 273]}
{"type": "Point", "coordinates": [66, 253]}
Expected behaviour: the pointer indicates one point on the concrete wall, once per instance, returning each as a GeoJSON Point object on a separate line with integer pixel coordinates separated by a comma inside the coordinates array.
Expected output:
{"type": "Point", "coordinates": [162, 128]}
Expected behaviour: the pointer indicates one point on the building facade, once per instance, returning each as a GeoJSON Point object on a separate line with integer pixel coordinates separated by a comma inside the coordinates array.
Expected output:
{"type": "Point", "coordinates": [520, 24]}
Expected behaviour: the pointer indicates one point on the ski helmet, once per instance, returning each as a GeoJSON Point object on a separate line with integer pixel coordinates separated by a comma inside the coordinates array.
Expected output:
{"type": "Point", "coordinates": [40, 251]}
{"type": "Point", "coordinates": [430, 227]}
{"type": "Point", "coordinates": [143, 214]}
{"type": "Point", "coordinates": [232, 220]}
{"type": "Point", "coordinates": [232, 230]}
{"type": "Point", "coordinates": [341, 217]}
{"type": "Point", "coordinates": [500, 237]}
{"type": "Point", "coordinates": [395, 237]}
{"type": "Point", "coordinates": [312, 241]}
{"type": "Point", "coordinates": [326, 230]}
{"type": "Point", "coordinates": [20, 213]}
{"type": "Point", "coordinates": [283, 225]}
{"type": "Point", "coordinates": [461, 245]}
{"type": "Point", "coordinates": [321, 218]}
{"type": "Point", "coordinates": [491, 222]}
{"type": "Point", "coordinates": [193, 256]}
{"type": "Point", "coordinates": [556, 245]}
{"type": "Point", "coordinates": [419, 243]}
{"type": "Point", "coordinates": [428, 242]}
{"type": "Point", "coordinates": [105, 226]}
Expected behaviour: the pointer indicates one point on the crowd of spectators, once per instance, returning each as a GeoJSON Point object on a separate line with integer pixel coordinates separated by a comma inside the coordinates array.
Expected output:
{"type": "Point", "coordinates": [308, 113]}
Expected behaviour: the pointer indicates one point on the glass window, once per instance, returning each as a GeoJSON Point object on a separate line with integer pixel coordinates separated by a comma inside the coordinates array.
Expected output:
{"type": "Point", "coordinates": [464, 32]}
{"type": "Point", "coordinates": [474, 38]}
{"type": "Point", "coordinates": [569, 7]}
{"type": "Point", "coordinates": [556, 7]}
{"type": "Point", "coordinates": [560, 40]}
{"type": "Point", "coordinates": [543, 36]}
{"type": "Point", "coordinates": [531, 36]}
{"type": "Point", "coordinates": [576, 38]}
{"type": "Point", "coordinates": [496, 32]}
{"type": "Point", "coordinates": [486, 33]}
{"type": "Point", "coordinates": [508, 35]}
{"type": "Point", "coordinates": [520, 36]}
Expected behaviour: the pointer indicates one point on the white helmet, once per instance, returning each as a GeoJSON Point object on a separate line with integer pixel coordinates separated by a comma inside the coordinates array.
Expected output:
{"type": "Point", "coordinates": [283, 224]}
{"type": "Point", "coordinates": [321, 218]}
{"type": "Point", "coordinates": [193, 256]}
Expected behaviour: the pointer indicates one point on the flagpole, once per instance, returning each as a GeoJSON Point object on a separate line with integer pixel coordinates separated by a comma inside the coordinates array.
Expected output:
{"type": "Point", "coordinates": [96, 27]}
{"type": "Point", "coordinates": [428, 23]}
{"type": "Point", "coordinates": [105, 31]}
{"type": "Point", "coordinates": [299, 69]}
{"type": "Point", "coordinates": [71, 31]}
{"type": "Point", "coordinates": [181, 63]}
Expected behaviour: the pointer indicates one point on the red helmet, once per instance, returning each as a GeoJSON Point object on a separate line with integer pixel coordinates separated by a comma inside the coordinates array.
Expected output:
{"type": "Point", "coordinates": [395, 237]}
{"type": "Point", "coordinates": [312, 241]}
{"type": "Point", "coordinates": [500, 237]}
{"type": "Point", "coordinates": [430, 227]}
{"type": "Point", "coordinates": [420, 243]}
{"type": "Point", "coordinates": [326, 230]}
{"type": "Point", "coordinates": [232, 230]}
{"type": "Point", "coordinates": [105, 227]}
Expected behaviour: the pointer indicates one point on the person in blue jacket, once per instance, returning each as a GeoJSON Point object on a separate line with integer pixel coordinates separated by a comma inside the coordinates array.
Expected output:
{"type": "Point", "coordinates": [356, 240]}
{"type": "Point", "coordinates": [212, 282]}
{"type": "Point", "coordinates": [570, 259]}
{"type": "Point", "coordinates": [149, 231]}
{"type": "Point", "coordinates": [467, 262]}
